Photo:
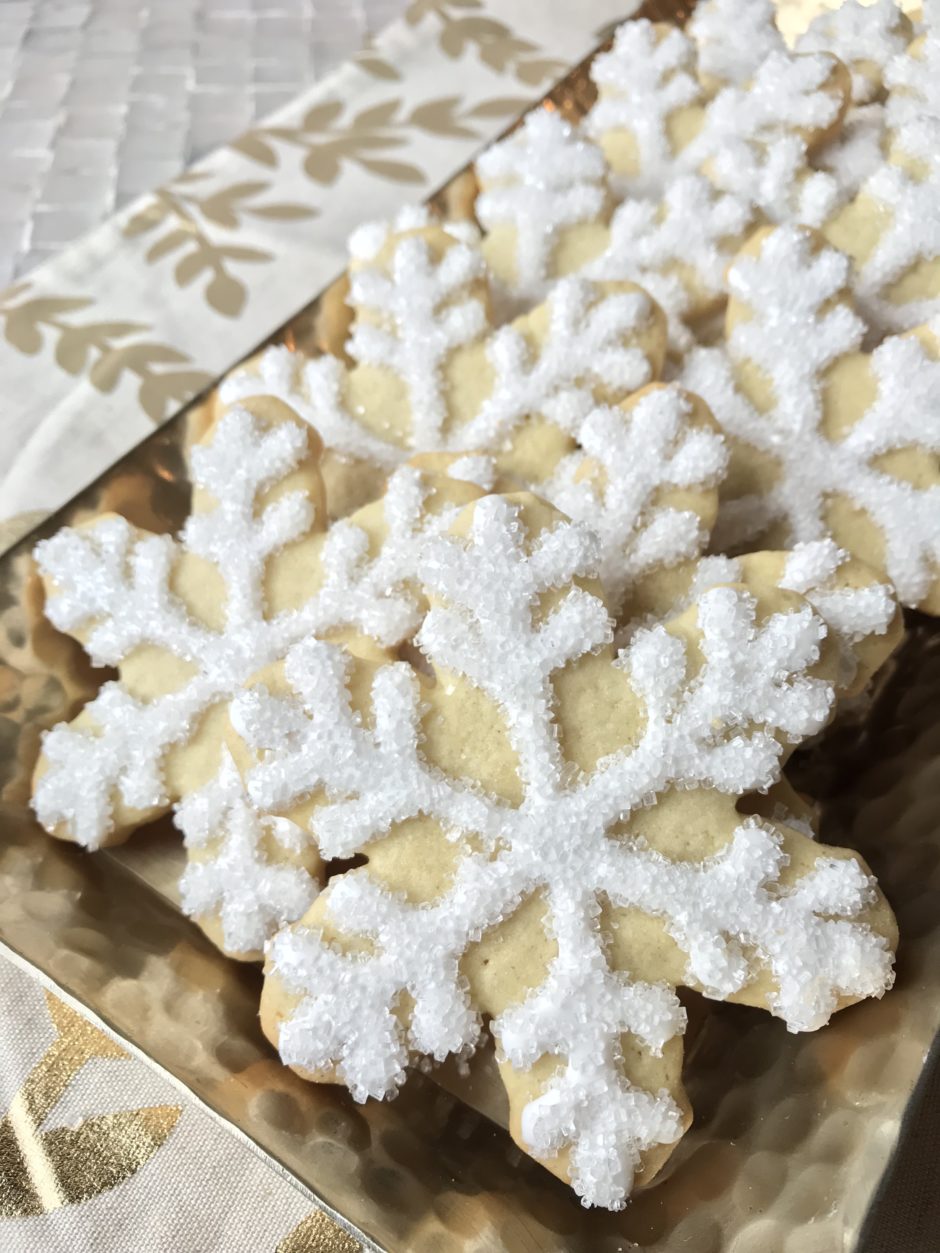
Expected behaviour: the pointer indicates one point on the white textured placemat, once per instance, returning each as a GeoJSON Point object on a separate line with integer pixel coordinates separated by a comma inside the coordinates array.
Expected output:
{"type": "Point", "coordinates": [101, 100]}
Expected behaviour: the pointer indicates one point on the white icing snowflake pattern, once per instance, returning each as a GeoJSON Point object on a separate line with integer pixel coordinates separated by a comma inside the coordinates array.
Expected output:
{"type": "Point", "coordinates": [908, 223]}
{"type": "Point", "coordinates": [424, 309]}
{"type": "Point", "coordinates": [678, 246]}
{"type": "Point", "coordinates": [640, 451]}
{"type": "Point", "coordinates": [119, 583]}
{"type": "Point", "coordinates": [693, 230]}
{"type": "Point", "coordinates": [721, 730]}
{"type": "Point", "coordinates": [252, 895]}
{"type": "Point", "coordinates": [749, 142]}
{"type": "Point", "coordinates": [913, 90]}
{"type": "Point", "coordinates": [851, 614]}
{"type": "Point", "coordinates": [645, 78]}
{"type": "Point", "coordinates": [694, 227]}
{"type": "Point", "coordinates": [910, 234]}
{"type": "Point", "coordinates": [314, 390]}
{"type": "Point", "coordinates": [857, 151]}
{"type": "Point", "coordinates": [543, 178]}
{"type": "Point", "coordinates": [854, 32]}
{"type": "Point", "coordinates": [793, 336]}
{"type": "Point", "coordinates": [751, 145]}
{"type": "Point", "coordinates": [586, 345]}
{"type": "Point", "coordinates": [733, 37]}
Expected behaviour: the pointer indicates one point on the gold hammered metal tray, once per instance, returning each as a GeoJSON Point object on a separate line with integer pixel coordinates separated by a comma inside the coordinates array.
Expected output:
{"type": "Point", "coordinates": [792, 1133]}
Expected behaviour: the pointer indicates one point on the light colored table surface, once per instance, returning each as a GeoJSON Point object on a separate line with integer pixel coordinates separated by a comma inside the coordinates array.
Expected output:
{"type": "Point", "coordinates": [101, 100]}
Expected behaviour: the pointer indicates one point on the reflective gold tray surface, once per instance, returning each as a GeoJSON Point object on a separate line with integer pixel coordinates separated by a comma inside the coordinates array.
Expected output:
{"type": "Point", "coordinates": [792, 1132]}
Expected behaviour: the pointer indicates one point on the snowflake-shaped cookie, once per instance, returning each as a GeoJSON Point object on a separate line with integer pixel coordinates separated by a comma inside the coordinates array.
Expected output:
{"type": "Point", "coordinates": [524, 395]}
{"type": "Point", "coordinates": [826, 441]}
{"type": "Point", "coordinates": [756, 141]}
{"type": "Point", "coordinates": [543, 203]}
{"type": "Point", "coordinates": [731, 163]}
{"type": "Point", "coordinates": [187, 621]}
{"type": "Point", "coordinates": [752, 140]}
{"type": "Point", "coordinates": [645, 481]}
{"type": "Point", "coordinates": [860, 611]}
{"type": "Point", "coordinates": [430, 374]}
{"type": "Point", "coordinates": [552, 841]}
{"type": "Point", "coordinates": [733, 38]}
{"type": "Point", "coordinates": [649, 103]}
{"type": "Point", "coordinates": [891, 230]}
{"type": "Point", "coordinates": [677, 248]}
{"type": "Point", "coordinates": [865, 37]}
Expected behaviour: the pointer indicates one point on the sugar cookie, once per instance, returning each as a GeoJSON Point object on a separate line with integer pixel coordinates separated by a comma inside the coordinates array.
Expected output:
{"type": "Point", "coordinates": [649, 105]}
{"type": "Point", "coordinates": [701, 175]}
{"type": "Point", "coordinates": [644, 474]}
{"type": "Point", "coordinates": [676, 248]}
{"type": "Point", "coordinates": [431, 374]}
{"type": "Point", "coordinates": [865, 37]}
{"type": "Point", "coordinates": [733, 38]}
{"type": "Point", "coordinates": [188, 621]}
{"type": "Point", "coordinates": [552, 840]}
{"type": "Point", "coordinates": [544, 202]}
{"type": "Point", "coordinates": [891, 230]}
{"type": "Point", "coordinates": [653, 121]}
{"type": "Point", "coordinates": [860, 612]}
{"type": "Point", "coordinates": [825, 440]}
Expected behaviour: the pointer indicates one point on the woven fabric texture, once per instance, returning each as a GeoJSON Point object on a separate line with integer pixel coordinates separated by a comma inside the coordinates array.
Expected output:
{"type": "Point", "coordinates": [101, 100]}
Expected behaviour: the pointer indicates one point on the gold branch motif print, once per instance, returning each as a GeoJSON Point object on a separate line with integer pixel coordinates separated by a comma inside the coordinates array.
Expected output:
{"type": "Point", "coordinates": [99, 349]}
{"type": "Point", "coordinates": [328, 141]}
{"type": "Point", "coordinates": [188, 216]}
{"type": "Point", "coordinates": [318, 1234]}
{"type": "Point", "coordinates": [377, 67]}
{"type": "Point", "coordinates": [44, 1170]}
{"type": "Point", "coordinates": [463, 25]}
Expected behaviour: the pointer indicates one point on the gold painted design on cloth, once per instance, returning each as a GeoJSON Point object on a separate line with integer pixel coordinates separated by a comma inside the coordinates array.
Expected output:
{"type": "Point", "coordinates": [318, 1234]}
{"type": "Point", "coordinates": [465, 24]}
{"type": "Point", "coordinates": [374, 65]}
{"type": "Point", "coordinates": [188, 217]}
{"type": "Point", "coordinates": [95, 350]}
{"type": "Point", "coordinates": [45, 1170]}
{"type": "Point", "coordinates": [329, 141]}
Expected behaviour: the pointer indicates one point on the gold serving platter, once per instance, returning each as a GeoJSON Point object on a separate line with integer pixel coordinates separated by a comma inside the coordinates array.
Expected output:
{"type": "Point", "coordinates": [792, 1133]}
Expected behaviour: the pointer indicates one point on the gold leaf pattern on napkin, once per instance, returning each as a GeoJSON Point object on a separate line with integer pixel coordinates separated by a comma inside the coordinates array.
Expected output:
{"type": "Point", "coordinates": [328, 141]}
{"type": "Point", "coordinates": [95, 349]}
{"type": "Point", "coordinates": [186, 215]}
{"type": "Point", "coordinates": [464, 24]}
{"type": "Point", "coordinates": [317, 1233]}
{"type": "Point", "coordinates": [375, 65]}
{"type": "Point", "coordinates": [44, 1170]}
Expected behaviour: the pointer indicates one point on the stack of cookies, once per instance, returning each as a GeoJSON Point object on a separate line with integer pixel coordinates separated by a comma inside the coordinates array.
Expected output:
{"type": "Point", "coordinates": [472, 676]}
